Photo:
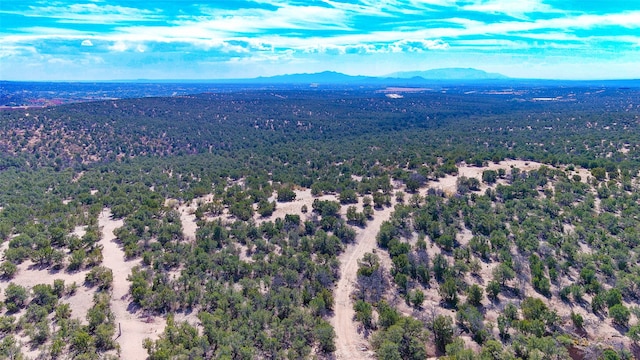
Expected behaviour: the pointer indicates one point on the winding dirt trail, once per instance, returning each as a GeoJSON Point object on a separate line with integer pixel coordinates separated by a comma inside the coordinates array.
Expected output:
{"type": "Point", "coordinates": [350, 344]}
{"type": "Point", "coordinates": [134, 327]}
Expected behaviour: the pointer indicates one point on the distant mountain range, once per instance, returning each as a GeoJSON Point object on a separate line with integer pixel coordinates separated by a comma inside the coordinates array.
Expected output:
{"type": "Point", "coordinates": [410, 77]}
{"type": "Point", "coordinates": [449, 74]}
{"type": "Point", "coordinates": [325, 77]}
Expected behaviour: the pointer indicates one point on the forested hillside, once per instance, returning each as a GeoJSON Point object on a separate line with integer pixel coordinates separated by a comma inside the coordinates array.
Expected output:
{"type": "Point", "coordinates": [486, 225]}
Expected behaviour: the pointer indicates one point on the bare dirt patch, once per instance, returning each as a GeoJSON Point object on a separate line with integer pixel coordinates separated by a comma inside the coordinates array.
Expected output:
{"type": "Point", "coordinates": [303, 198]}
{"type": "Point", "coordinates": [29, 275]}
{"type": "Point", "coordinates": [448, 184]}
{"type": "Point", "coordinates": [135, 326]}
{"type": "Point", "coordinates": [350, 343]}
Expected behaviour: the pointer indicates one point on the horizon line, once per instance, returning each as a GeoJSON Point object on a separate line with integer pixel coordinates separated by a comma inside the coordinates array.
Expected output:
{"type": "Point", "coordinates": [263, 79]}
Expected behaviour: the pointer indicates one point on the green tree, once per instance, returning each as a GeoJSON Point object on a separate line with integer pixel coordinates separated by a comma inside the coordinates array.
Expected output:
{"type": "Point", "coordinates": [416, 298]}
{"type": "Point", "coordinates": [449, 291]}
{"type": "Point", "coordinates": [389, 351]}
{"type": "Point", "coordinates": [82, 342]}
{"type": "Point", "coordinates": [266, 208]}
{"type": "Point", "coordinates": [599, 173]}
{"type": "Point", "coordinates": [8, 270]}
{"type": "Point", "coordinates": [492, 350]}
{"type": "Point", "coordinates": [577, 320]}
{"type": "Point", "coordinates": [348, 196]}
{"type": "Point", "coordinates": [325, 335]}
{"type": "Point", "coordinates": [489, 176]}
{"type": "Point", "coordinates": [408, 337]}
{"type": "Point", "coordinates": [634, 333]}
{"type": "Point", "coordinates": [442, 328]}
{"type": "Point", "coordinates": [364, 313]}
{"type": "Point", "coordinates": [503, 273]}
{"type": "Point", "coordinates": [458, 351]}
{"type": "Point", "coordinates": [620, 314]}
{"type": "Point", "coordinates": [493, 289]}
{"type": "Point", "coordinates": [100, 276]}
{"type": "Point", "coordinates": [613, 297]}
{"type": "Point", "coordinates": [533, 308]}
{"type": "Point", "coordinates": [387, 315]}
{"type": "Point", "coordinates": [15, 297]}
{"type": "Point", "coordinates": [440, 267]}
{"type": "Point", "coordinates": [286, 194]}
{"type": "Point", "coordinates": [474, 295]}
{"type": "Point", "coordinates": [44, 296]}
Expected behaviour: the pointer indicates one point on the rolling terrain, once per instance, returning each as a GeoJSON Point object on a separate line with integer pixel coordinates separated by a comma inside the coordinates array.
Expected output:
{"type": "Point", "coordinates": [493, 223]}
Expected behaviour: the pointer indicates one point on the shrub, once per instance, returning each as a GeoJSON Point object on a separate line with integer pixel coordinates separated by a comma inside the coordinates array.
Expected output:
{"type": "Point", "coordinates": [100, 276]}
{"type": "Point", "coordinates": [474, 295]}
{"type": "Point", "coordinates": [442, 328]}
{"type": "Point", "coordinates": [620, 314]}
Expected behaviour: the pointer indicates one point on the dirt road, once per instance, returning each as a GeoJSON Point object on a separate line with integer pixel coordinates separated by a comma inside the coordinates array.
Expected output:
{"type": "Point", "coordinates": [134, 327]}
{"type": "Point", "coordinates": [349, 343]}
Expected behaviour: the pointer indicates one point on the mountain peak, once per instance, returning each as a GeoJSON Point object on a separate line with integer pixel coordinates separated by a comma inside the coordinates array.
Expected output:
{"type": "Point", "coordinates": [449, 74]}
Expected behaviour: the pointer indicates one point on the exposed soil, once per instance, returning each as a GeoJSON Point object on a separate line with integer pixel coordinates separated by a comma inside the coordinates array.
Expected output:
{"type": "Point", "coordinates": [134, 324]}
{"type": "Point", "coordinates": [350, 342]}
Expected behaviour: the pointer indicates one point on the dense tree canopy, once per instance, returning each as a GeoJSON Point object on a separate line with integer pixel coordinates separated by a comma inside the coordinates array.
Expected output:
{"type": "Point", "coordinates": [505, 244]}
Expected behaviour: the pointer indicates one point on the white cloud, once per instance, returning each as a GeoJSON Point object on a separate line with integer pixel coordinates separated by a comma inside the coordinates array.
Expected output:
{"type": "Point", "coordinates": [418, 45]}
{"type": "Point", "coordinates": [215, 33]}
{"type": "Point", "coordinates": [285, 31]}
{"type": "Point", "coordinates": [515, 8]}
{"type": "Point", "coordinates": [13, 50]}
{"type": "Point", "coordinates": [286, 16]}
{"type": "Point", "coordinates": [119, 46]}
{"type": "Point", "coordinates": [90, 13]}
{"type": "Point", "coordinates": [375, 8]}
{"type": "Point", "coordinates": [54, 31]}
{"type": "Point", "coordinates": [431, 3]}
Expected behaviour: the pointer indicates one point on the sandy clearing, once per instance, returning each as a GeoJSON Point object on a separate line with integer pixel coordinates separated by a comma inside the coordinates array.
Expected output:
{"type": "Point", "coordinates": [80, 302]}
{"type": "Point", "coordinates": [187, 214]}
{"type": "Point", "coordinates": [350, 344]}
{"type": "Point", "coordinates": [135, 327]}
{"type": "Point", "coordinates": [79, 231]}
{"type": "Point", "coordinates": [303, 197]}
{"type": "Point", "coordinates": [448, 183]}
{"type": "Point", "coordinates": [464, 236]}
{"type": "Point", "coordinates": [189, 226]}
{"type": "Point", "coordinates": [29, 276]}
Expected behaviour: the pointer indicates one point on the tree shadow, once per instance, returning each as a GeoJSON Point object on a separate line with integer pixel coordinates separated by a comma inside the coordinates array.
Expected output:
{"type": "Point", "coordinates": [361, 329]}
{"type": "Point", "coordinates": [478, 278]}
{"type": "Point", "coordinates": [622, 329]}
{"type": "Point", "coordinates": [132, 307]}
{"type": "Point", "coordinates": [635, 350]}
{"type": "Point", "coordinates": [56, 269]}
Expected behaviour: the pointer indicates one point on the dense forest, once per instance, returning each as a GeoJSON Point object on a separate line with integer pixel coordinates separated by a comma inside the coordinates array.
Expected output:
{"type": "Point", "coordinates": [532, 253]}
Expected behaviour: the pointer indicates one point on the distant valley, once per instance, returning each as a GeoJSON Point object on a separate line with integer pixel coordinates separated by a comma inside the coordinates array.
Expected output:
{"type": "Point", "coordinates": [42, 94]}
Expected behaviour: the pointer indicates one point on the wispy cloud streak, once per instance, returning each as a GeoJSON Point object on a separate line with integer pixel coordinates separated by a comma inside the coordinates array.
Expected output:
{"type": "Point", "coordinates": [364, 32]}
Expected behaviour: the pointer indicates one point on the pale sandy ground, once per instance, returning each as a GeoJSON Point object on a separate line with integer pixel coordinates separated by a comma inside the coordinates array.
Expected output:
{"type": "Point", "coordinates": [135, 326]}
{"type": "Point", "coordinates": [188, 220]}
{"type": "Point", "coordinates": [187, 216]}
{"type": "Point", "coordinates": [350, 344]}
{"type": "Point", "coordinates": [448, 183]}
{"type": "Point", "coordinates": [303, 197]}
{"type": "Point", "coordinates": [29, 276]}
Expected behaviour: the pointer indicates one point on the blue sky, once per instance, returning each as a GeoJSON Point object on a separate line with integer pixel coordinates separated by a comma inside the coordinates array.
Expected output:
{"type": "Point", "coordinates": [110, 40]}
